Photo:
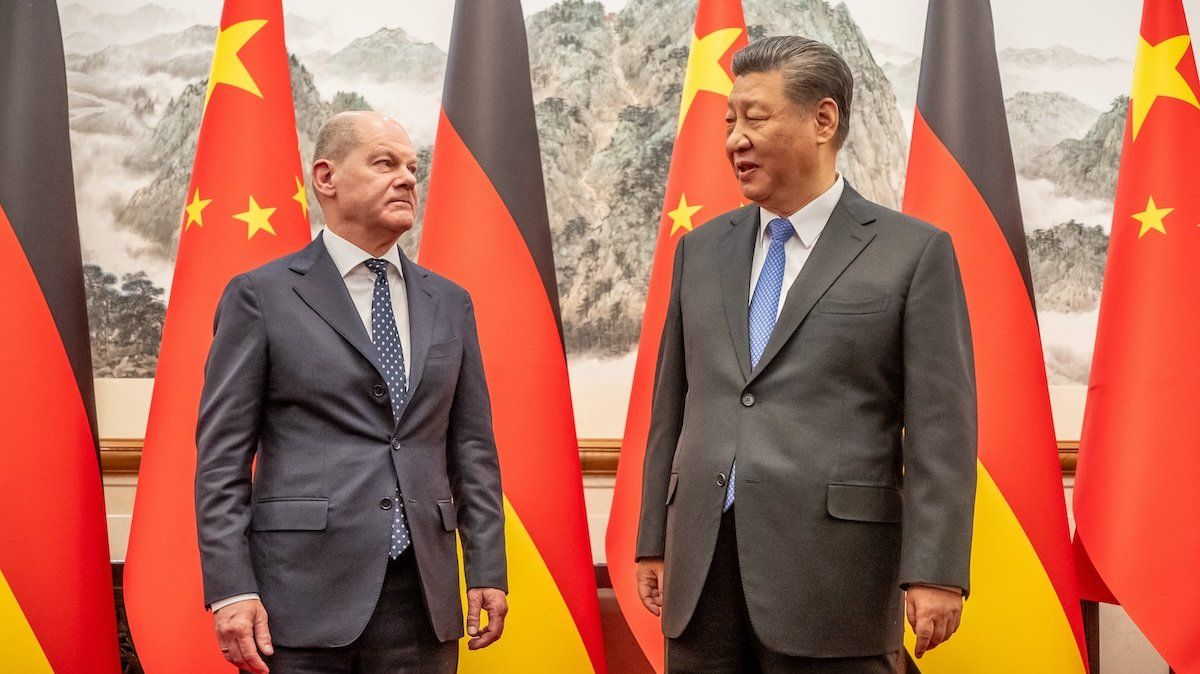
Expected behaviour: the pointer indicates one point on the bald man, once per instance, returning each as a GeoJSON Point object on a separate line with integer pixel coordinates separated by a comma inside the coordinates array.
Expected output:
{"type": "Point", "coordinates": [351, 379]}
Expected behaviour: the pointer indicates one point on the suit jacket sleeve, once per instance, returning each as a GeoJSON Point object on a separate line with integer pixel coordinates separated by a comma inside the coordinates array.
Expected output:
{"type": "Point", "coordinates": [475, 469]}
{"type": "Point", "coordinates": [227, 440]}
{"type": "Point", "coordinates": [941, 425]}
{"type": "Point", "coordinates": [666, 421]}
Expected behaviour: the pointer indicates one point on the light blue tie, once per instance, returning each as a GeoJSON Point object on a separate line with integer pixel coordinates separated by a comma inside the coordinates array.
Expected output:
{"type": "Point", "coordinates": [764, 307]}
{"type": "Point", "coordinates": [391, 360]}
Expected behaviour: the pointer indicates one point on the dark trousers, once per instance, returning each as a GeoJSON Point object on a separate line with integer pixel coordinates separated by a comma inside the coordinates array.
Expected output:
{"type": "Point", "coordinates": [720, 638]}
{"type": "Point", "coordinates": [397, 638]}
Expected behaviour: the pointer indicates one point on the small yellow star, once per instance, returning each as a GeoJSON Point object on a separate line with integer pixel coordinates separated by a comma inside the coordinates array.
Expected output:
{"type": "Point", "coordinates": [704, 69]}
{"type": "Point", "coordinates": [257, 219]}
{"type": "Point", "coordinates": [227, 68]}
{"type": "Point", "coordinates": [681, 217]}
{"type": "Point", "coordinates": [1152, 218]}
{"type": "Point", "coordinates": [1156, 75]}
{"type": "Point", "coordinates": [300, 197]}
{"type": "Point", "coordinates": [195, 210]}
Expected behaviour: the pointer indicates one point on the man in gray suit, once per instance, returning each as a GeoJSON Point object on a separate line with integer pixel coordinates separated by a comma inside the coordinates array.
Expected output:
{"type": "Point", "coordinates": [810, 470]}
{"type": "Point", "coordinates": [349, 381]}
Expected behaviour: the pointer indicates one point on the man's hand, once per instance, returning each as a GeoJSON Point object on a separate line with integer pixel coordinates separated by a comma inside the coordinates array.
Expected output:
{"type": "Point", "coordinates": [496, 604]}
{"type": "Point", "coordinates": [650, 583]}
{"type": "Point", "coordinates": [240, 628]}
{"type": "Point", "coordinates": [934, 613]}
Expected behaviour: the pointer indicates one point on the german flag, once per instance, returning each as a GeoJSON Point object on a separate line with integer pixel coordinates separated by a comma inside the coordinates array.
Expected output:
{"type": "Point", "coordinates": [56, 593]}
{"type": "Point", "coordinates": [486, 227]}
{"type": "Point", "coordinates": [245, 206]}
{"type": "Point", "coordinates": [1136, 505]}
{"type": "Point", "coordinates": [700, 186]}
{"type": "Point", "coordinates": [1023, 614]}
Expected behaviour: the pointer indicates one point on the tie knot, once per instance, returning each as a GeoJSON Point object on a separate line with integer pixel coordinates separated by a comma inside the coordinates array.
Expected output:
{"type": "Point", "coordinates": [780, 229]}
{"type": "Point", "coordinates": [377, 265]}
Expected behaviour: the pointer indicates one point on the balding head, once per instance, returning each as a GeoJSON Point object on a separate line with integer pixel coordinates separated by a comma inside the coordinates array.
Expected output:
{"type": "Point", "coordinates": [342, 132]}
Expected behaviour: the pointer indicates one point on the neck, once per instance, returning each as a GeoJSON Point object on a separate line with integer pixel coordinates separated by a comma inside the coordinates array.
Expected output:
{"type": "Point", "coordinates": [788, 204]}
{"type": "Point", "coordinates": [372, 241]}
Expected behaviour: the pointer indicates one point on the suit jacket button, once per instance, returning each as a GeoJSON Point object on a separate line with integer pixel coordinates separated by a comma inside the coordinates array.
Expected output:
{"type": "Point", "coordinates": [378, 390]}
{"type": "Point", "coordinates": [395, 444]}
{"type": "Point", "coordinates": [720, 479]}
{"type": "Point", "coordinates": [385, 503]}
{"type": "Point", "coordinates": [748, 400]}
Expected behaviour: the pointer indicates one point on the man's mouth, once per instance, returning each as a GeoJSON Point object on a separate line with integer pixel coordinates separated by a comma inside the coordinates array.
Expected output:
{"type": "Point", "coordinates": [744, 168]}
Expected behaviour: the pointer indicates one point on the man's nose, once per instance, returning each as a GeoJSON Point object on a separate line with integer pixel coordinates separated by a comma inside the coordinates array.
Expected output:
{"type": "Point", "coordinates": [406, 178]}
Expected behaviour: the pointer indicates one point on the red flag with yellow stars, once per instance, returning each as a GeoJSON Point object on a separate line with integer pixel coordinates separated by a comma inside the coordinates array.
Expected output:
{"type": "Point", "coordinates": [1136, 506]}
{"type": "Point", "coordinates": [245, 206]}
{"type": "Point", "coordinates": [700, 186]}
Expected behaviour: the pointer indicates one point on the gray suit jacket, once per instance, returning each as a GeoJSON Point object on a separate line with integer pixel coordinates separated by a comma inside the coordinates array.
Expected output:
{"type": "Point", "coordinates": [836, 508]}
{"type": "Point", "coordinates": [292, 383]}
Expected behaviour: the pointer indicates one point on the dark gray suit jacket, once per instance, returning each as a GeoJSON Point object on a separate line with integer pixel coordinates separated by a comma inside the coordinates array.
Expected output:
{"type": "Point", "coordinates": [291, 382]}
{"type": "Point", "coordinates": [836, 509]}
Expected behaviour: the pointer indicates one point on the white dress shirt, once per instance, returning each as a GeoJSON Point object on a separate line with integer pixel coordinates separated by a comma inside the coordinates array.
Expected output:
{"type": "Point", "coordinates": [360, 281]}
{"type": "Point", "coordinates": [808, 222]}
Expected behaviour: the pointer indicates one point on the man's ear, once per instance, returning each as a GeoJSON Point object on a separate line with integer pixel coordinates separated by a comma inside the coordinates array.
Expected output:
{"type": "Point", "coordinates": [826, 115]}
{"type": "Point", "coordinates": [322, 178]}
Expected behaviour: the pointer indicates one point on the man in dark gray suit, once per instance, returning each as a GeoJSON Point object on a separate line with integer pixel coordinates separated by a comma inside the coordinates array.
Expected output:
{"type": "Point", "coordinates": [349, 380]}
{"type": "Point", "coordinates": [810, 471]}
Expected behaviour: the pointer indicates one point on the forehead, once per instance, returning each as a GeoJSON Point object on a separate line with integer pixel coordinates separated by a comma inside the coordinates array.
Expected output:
{"type": "Point", "coordinates": [385, 134]}
{"type": "Point", "coordinates": [757, 88]}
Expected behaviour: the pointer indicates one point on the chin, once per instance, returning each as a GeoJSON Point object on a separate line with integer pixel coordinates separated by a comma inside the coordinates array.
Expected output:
{"type": "Point", "coordinates": [752, 192]}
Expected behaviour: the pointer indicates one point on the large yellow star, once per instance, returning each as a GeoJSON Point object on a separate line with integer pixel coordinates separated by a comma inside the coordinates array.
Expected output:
{"type": "Point", "coordinates": [195, 210]}
{"type": "Point", "coordinates": [1152, 218]}
{"type": "Point", "coordinates": [257, 219]}
{"type": "Point", "coordinates": [681, 217]}
{"type": "Point", "coordinates": [1156, 75]}
{"type": "Point", "coordinates": [227, 68]}
{"type": "Point", "coordinates": [704, 70]}
{"type": "Point", "coordinates": [300, 197]}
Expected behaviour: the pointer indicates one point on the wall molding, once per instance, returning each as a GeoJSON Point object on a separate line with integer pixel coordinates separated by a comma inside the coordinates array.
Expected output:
{"type": "Point", "coordinates": [597, 456]}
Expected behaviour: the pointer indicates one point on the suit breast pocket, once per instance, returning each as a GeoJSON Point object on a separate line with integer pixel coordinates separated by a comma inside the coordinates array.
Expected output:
{"type": "Point", "coordinates": [852, 306]}
{"type": "Point", "coordinates": [444, 349]}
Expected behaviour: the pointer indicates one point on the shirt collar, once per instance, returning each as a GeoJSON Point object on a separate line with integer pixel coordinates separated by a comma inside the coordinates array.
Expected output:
{"type": "Point", "coordinates": [810, 220]}
{"type": "Point", "coordinates": [347, 256]}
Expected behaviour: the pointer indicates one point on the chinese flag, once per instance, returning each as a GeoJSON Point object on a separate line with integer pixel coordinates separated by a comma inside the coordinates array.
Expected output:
{"type": "Point", "coordinates": [245, 206]}
{"type": "Point", "coordinates": [487, 229]}
{"type": "Point", "coordinates": [1136, 500]}
{"type": "Point", "coordinates": [56, 594]}
{"type": "Point", "coordinates": [700, 186]}
{"type": "Point", "coordinates": [961, 178]}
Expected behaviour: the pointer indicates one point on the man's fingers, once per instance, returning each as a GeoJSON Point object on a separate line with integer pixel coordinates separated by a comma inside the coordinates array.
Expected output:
{"type": "Point", "coordinates": [250, 657]}
{"type": "Point", "coordinates": [924, 631]}
{"type": "Point", "coordinates": [473, 604]}
{"type": "Point", "coordinates": [262, 635]}
{"type": "Point", "coordinates": [939, 634]}
{"type": "Point", "coordinates": [491, 633]}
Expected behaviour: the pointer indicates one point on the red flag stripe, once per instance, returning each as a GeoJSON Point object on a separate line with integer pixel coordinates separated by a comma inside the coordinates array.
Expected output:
{"type": "Point", "coordinates": [55, 551]}
{"type": "Point", "coordinates": [475, 242]}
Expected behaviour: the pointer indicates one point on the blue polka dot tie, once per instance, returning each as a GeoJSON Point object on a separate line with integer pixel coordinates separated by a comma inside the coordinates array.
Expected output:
{"type": "Point", "coordinates": [391, 360]}
{"type": "Point", "coordinates": [764, 306]}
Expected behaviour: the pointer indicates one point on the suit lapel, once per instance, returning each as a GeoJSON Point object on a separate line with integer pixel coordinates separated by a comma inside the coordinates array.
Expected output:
{"type": "Point", "coordinates": [843, 238]}
{"type": "Point", "coordinates": [737, 256]}
{"type": "Point", "coordinates": [324, 291]}
{"type": "Point", "coordinates": [422, 312]}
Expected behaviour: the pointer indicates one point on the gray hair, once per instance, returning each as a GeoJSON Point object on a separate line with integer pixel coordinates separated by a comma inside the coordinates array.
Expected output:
{"type": "Point", "coordinates": [336, 138]}
{"type": "Point", "coordinates": [811, 71]}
